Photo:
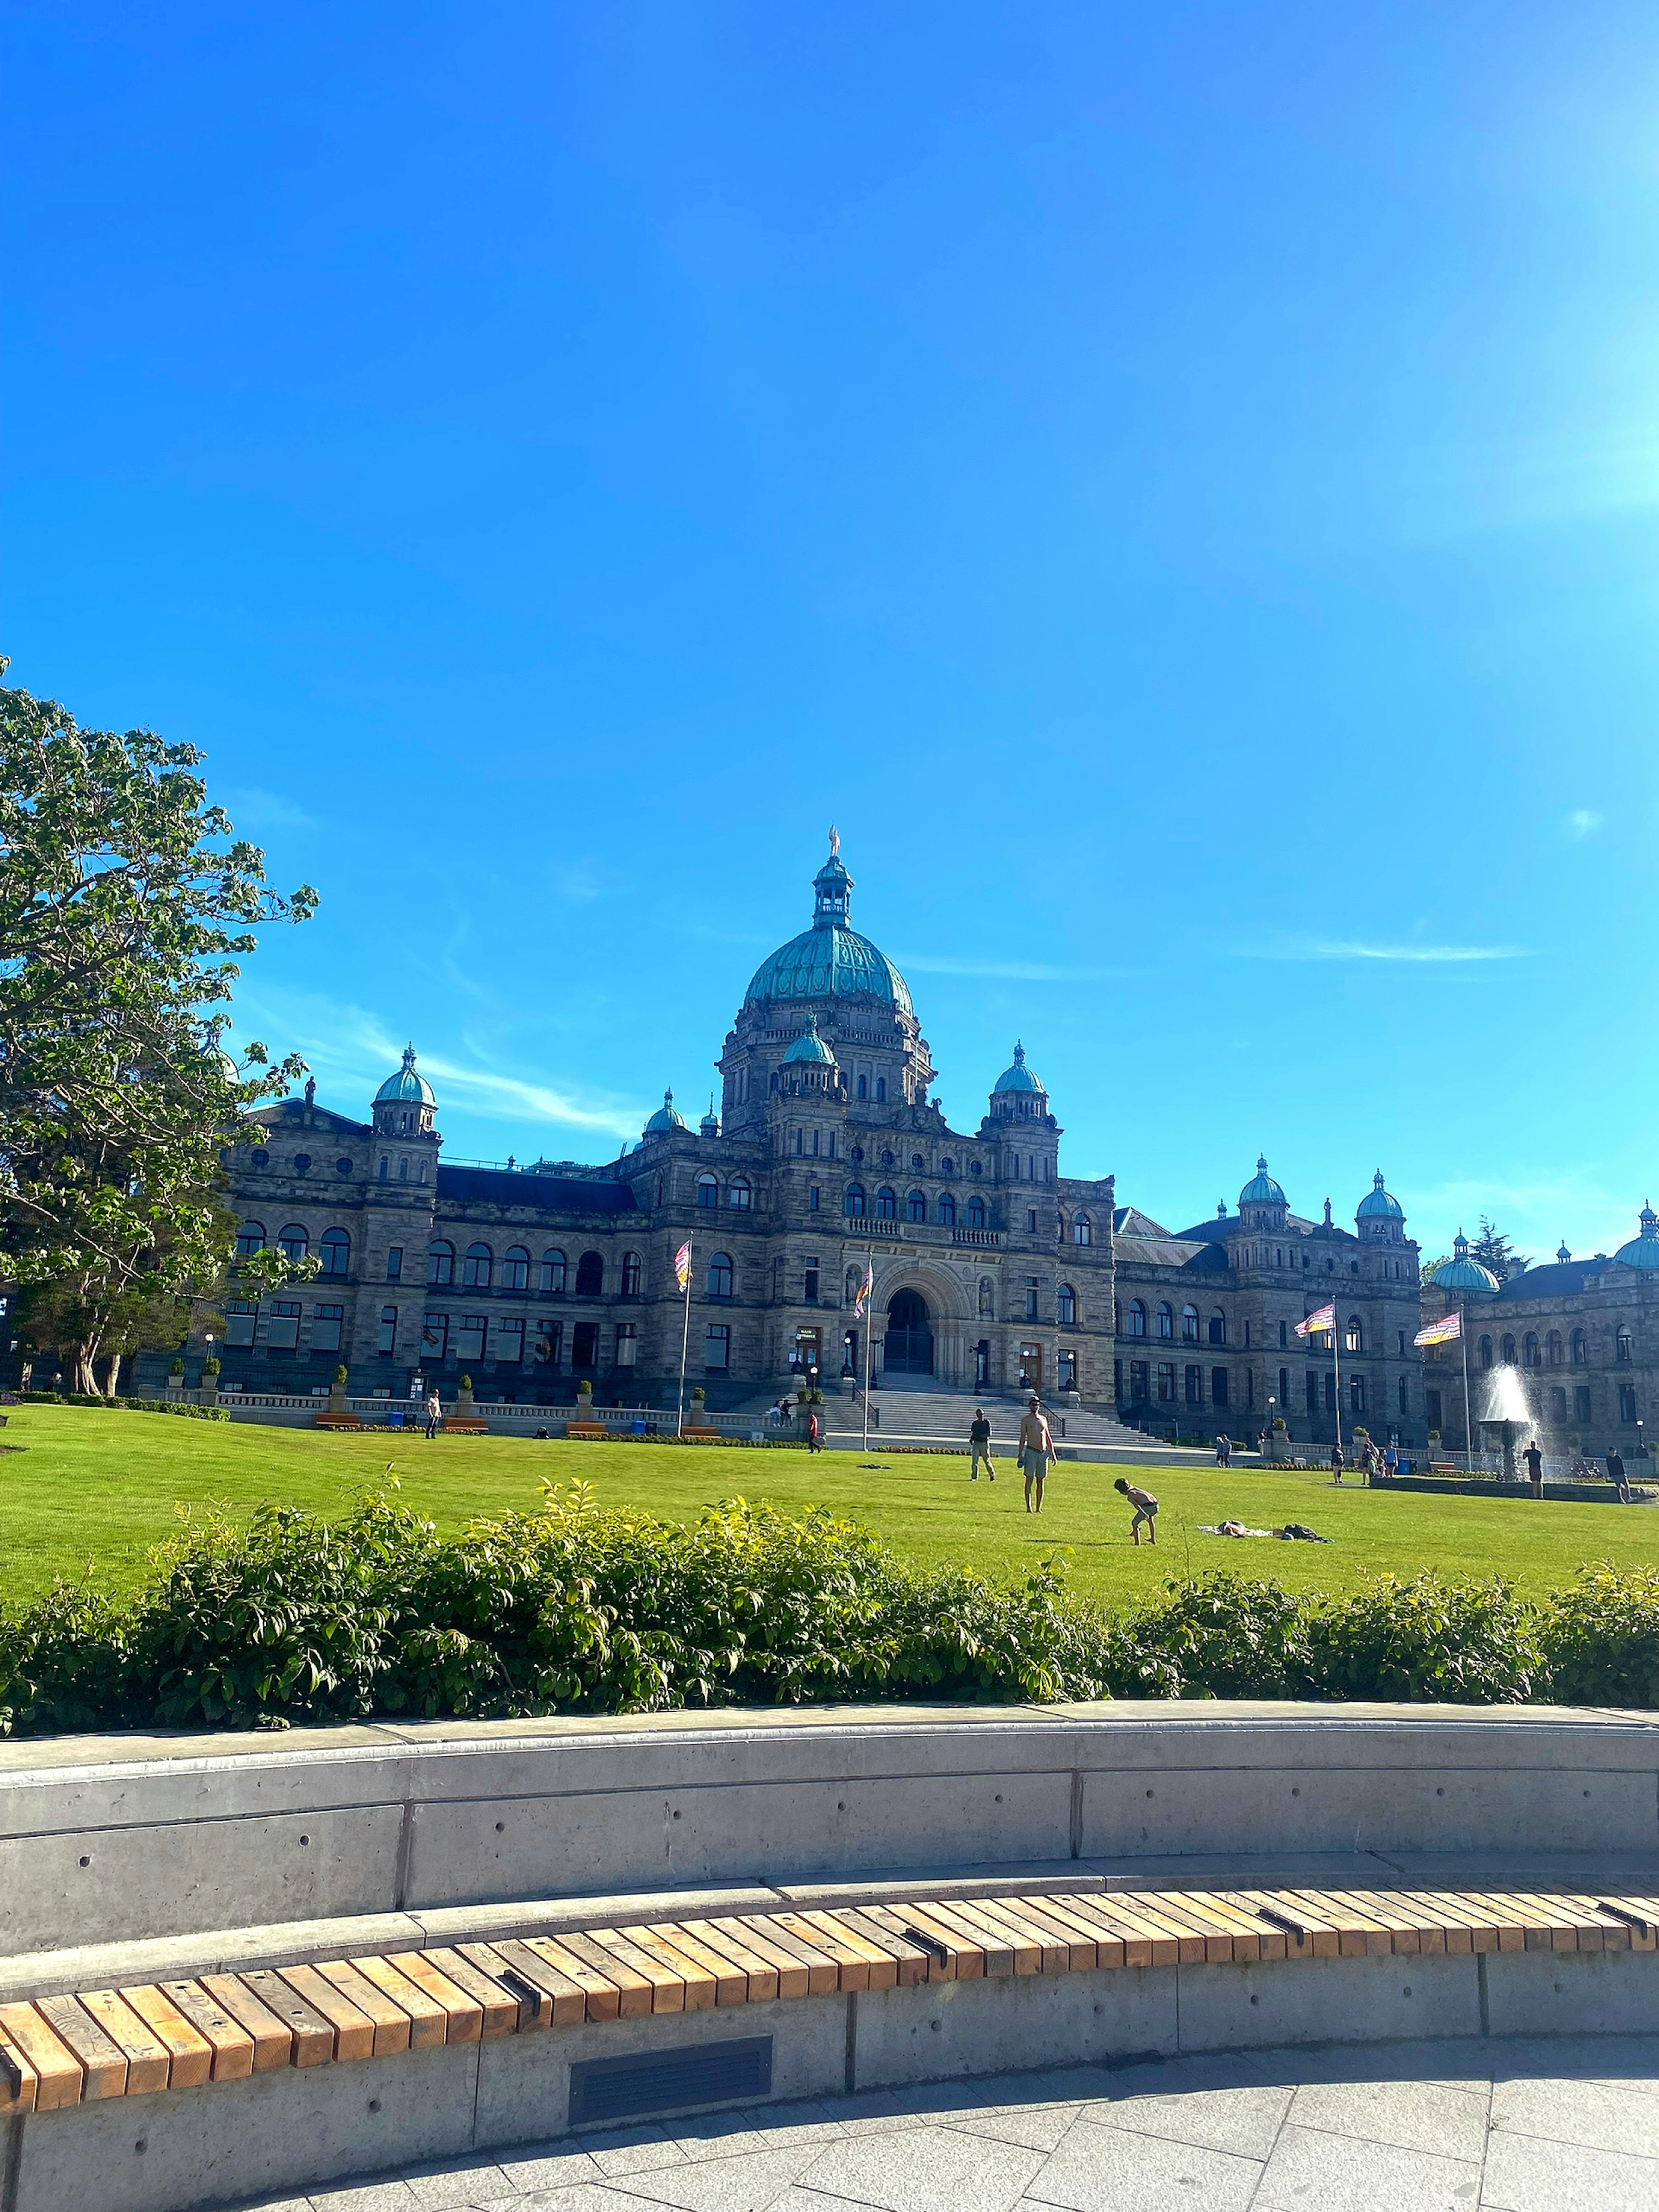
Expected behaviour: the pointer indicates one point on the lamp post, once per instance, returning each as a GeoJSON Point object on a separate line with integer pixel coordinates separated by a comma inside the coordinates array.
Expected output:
{"type": "Point", "coordinates": [1271, 1402]}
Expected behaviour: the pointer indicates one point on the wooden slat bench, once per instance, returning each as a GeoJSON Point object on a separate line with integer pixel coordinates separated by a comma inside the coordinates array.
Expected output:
{"type": "Point", "coordinates": [64, 2050]}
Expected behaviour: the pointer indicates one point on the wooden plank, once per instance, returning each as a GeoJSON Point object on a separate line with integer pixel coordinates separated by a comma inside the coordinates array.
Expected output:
{"type": "Point", "coordinates": [1644, 1908]}
{"type": "Point", "coordinates": [353, 2029]}
{"type": "Point", "coordinates": [996, 1943]}
{"type": "Point", "coordinates": [1540, 1927]}
{"type": "Point", "coordinates": [1155, 1912]}
{"type": "Point", "coordinates": [231, 2043]}
{"type": "Point", "coordinates": [1080, 1948]}
{"type": "Point", "coordinates": [792, 1979]}
{"type": "Point", "coordinates": [1456, 1931]}
{"type": "Point", "coordinates": [602, 1999]}
{"type": "Point", "coordinates": [967, 1956]}
{"type": "Point", "coordinates": [822, 1975]}
{"type": "Point", "coordinates": [1028, 1945]}
{"type": "Point", "coordinates": [1357, 1935]}
{"type": "Point", "coordinates": [58, 2074]}
{"type": "Point", "coordinates": [731, 1982]}
{"type": "Point", "coordinates": [635, 1990]}
{"type": "Point", "coordinates": [103, 2063]}
{"type": "Point", "coordinates": [852, 1954]}
{"type": "Point", "coordinates": [1251, 1939]}
{"type": "Point", "coordinates": [271, 2036]}
{"type": "Point", "coordinates": [190, 2055]}
{"type": "Point", "coordinates": [1479, 1929]}
{"type": "Point", "coordinates": [464, 2014]}
{"type": "Point", "coordinates": [502, 2009]}
{"type": "Point", "coordinates": [1112, 1919]}
{"type": "Point", "coordinates": [760, 1975]}
{"type": "Point", "coordinates": [1108, 1945]}
{"type": "Point", "coordinates": [1322, 1941]}
{"type": "Point", "coordinates": [137, 2041]}
{"type": "Point", "coordinates": [911, 1964]}
{"type": "Point", "coordinates": [532, 2005]}
{"type": "Point", "coordinates": [1213, 1935]}
{"type": "Point", "coordinates": [567, 2000]}
{"type": "Point", "coordinates": [696, 1980]}
{"type": "Point", "coordinates": [1405, 1936]}
{"type": "Point", "coordinates": [428, 2022]}
{"type": "Point", "coordinates": [386, 2017]}
{"type": "Point", "coordinates": [313, 2031]}
{"type": "Point", "coordinates": [1429, 1926]}
{"type": "Point", "coordinates": [1510, 1932]}
{"type": "Point", "coordinates": [667, 1987]}
{"type": "Point", "coordinates": [868, 1960]}
{"type": "Point", "coordinates": [1573, 1926]}
{"type": "Point", "coordinates": [18, 2082]}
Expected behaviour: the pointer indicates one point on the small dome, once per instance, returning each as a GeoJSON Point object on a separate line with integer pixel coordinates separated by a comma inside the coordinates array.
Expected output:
{"type": "Point", "coordinates": [1261, 1189]}
{"type": "Point", "coordinates": [810, 1047]}
{"type": "Point", "coordinates": [1563, 1256]}
{"type": "Point", "coordinates": [1018, 1077]}
{"type": "Point", "coordinates": [665, 1118]}
{"type": "Point", "coordinates": [1462, 1274]}
{"type": "Point", "coordinates": [1643, 1251]}
{"type": "Point", "coordinates": [405, 1085]}
{"type": "Point", "coordinates": [1378, 1205]}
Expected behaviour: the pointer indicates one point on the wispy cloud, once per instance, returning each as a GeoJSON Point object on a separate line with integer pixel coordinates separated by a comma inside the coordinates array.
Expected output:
{"type": "Point", "coordinates": [1325, 948]}
{"type": "Point", "coordinates": [1580, 822]}
{"type": "Point", "coordinates": [1007, 971]}
{"type": "Point", "coordinates": [265, 810]}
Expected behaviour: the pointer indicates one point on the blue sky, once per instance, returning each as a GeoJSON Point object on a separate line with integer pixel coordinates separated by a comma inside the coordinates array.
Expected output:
{"type": "Point", "coordinates": [1176, 487]}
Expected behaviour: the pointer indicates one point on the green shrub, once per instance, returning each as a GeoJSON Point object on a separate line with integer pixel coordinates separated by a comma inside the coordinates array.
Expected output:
{"type": "Point", "coordinates": [1474, 1643]}
{"type": "Point", "coordinates": [1602, 1637]}
{"type": "Point", "coordinates": [1228, 1637]}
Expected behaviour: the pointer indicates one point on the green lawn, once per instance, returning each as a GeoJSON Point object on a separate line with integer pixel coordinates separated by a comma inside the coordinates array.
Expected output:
{"type": "Point", "coordinates": [102, 1487]}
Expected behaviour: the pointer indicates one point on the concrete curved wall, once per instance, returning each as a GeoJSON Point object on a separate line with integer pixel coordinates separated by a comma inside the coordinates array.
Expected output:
{"type": "Point", "coordinates": [106, 1839]}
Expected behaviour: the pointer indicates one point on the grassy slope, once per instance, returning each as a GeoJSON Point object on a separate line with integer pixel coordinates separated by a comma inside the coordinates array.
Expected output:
{"type": "Point", "coordinates": [101, 1488]}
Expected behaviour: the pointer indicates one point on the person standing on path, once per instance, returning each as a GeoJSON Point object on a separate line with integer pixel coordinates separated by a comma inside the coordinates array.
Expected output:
{"type": "Point", "coordinates": [1535, 1460]}
{"type": "Point", "coordinates": [1145, 1507]}
{"type": "Point", "coordinates": [812, 1444]}
{"type": "Point", "coordinates": [1616, 1474]}
{"type": "Point", "coordinates": [1337, 1465]}
{"type": "Point", "coordinates": [1037, 1448]}
{"type": "Point", "coordinates": [979, 1443]}
{"type": "Point", "coordinates": [435, 1414]}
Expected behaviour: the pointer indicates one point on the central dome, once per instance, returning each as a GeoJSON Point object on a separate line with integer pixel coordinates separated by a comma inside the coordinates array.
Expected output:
{"type": "Point", "coordinates": [831, 960]}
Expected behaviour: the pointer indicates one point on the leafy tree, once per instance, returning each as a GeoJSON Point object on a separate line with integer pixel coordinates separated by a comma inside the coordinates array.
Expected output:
{"type": "Point", "coordinates": [125, 901]}
{"type": "Point", "coordinates": [1493, 1249]}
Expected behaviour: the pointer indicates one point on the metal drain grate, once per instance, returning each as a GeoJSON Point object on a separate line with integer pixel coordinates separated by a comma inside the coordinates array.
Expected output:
{"type": "Point", "coordinates": [670, 2081]}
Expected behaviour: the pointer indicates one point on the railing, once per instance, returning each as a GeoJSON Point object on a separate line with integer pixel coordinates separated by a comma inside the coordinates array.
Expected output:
{"type": "Point", "coordinates": [855, 1226]}
{"type": "Point", "coordinates": [990, 1238]}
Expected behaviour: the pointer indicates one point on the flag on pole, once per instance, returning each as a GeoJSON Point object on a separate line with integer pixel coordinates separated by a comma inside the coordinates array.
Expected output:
{"type": "Point", "coordinates": [1317, 1324]}
{"type": "Point", "coordinates": [865, 1289]}
{"type": "Point", "coordinates": [683, 1264]}
{"type": "Point", "coordinates": [1443, 1331]}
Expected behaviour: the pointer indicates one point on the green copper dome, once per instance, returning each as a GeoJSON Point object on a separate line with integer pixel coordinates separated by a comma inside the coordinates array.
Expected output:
{"type": "Point", "coordinates": [667, 1116]}
{"type": "Point", "coordinates": [1643, 1251]}
{"type": "Point", "coordinates": [1261, 1189]}
{"type": "Point", "coordinates": [1379, 1204]}
{"type": "Point", "coordinates": [810, 1047]}
{"type": "Point", "coordinates": [831, 960]}
{"type": "Point", "coordinates": [1018, 1077]}
{"type": "Point", "coordinates": [1462, 1274]}
{"type": "Point", "coordinates": [405, 1085]}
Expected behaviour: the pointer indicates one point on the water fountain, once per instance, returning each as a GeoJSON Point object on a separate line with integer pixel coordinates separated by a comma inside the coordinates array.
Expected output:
{"type": "Point", "coordinates": [1507, 1413]}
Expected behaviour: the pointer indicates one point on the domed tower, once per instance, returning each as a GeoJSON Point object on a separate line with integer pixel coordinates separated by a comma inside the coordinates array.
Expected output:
{"type": "Point", "coordinates": [665, 1121]}
{"type": "Point", "coordinates": [1022, 1120]}
{"type": "Point", "coordinates": [1643, 1251]}
{"type": "Point", "coordinates": [1018, 1094]}
{"type": "Point", "coordinates": [407, 1139]}
{"type": "Point", "coordinates": [1463, 1278]}
{"type": "Point", "coordinates": [835, 982]}
{"type": "Point", "coordinates": [809, 1064]}
{"type": "Point", "coordinates": [1379, 1218]}
{"type": "Point", "coordinates": [1262, 1204]}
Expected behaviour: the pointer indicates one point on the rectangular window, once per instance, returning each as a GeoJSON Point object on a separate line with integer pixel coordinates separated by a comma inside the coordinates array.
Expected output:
{"type": "Point", "coordinates": [240, 1321]}
{"type": "Point", "coordinates": [509, 1343]}
{"type": "Point", "coordinates": [627, 1344]}
{"type": "Point", "coordinates": [811, 1283]}
{"type": "Point", "coordinates": [1218, 1386]}
{"type": "Point", "coordinates": [1030, 1302]}
{"type": "Point", "coordinates": [387, 1343]}
{"type": "Point", "coordinates": [1313, 1393]}
{"type": "Point", "coordinates": [812, 1197]}
{"type": "Point", "coordinates": [435, 1338]}
{"type": "Point", "coordinates": [815, 1143]}
{"type": "Point", "coordinates": [1166, 1381]}
{"type": "Point", "coordinates": [717, 1348]}
{"type": "Point", "coordinates": [1432, 1409]}
{"type": "Point", "coordinates": [470, 1336]}
{"type": "Point", "coordinates": [1030, 1221]}
{"type": "Point", "coordinates": [585, 1347]}
{"type": "Point", "coordinates": [1283, 1389]}
{"type": "Point", "coordinates": [1138, 1392]}
{"type": "Point", "coordinates": [1558, 1402]}
{"type": "Point", "coordinates": [1356, 1394]}
{"type": "Point", "coordinates": [1330, 1393]}
{"type": "Point", "coordinates": [1249, 1386]}
{"type": "Point", "coordinates": [1069, 1370]}
{"type": "Point", "coordinates": [1194, 1386]}
{"type": "Point", "coordinates": [282, 1326]}
{"type": "Point", "coordinates": [394, 1263]}
{"type": "Point", "coordinates": [881, 1090]}
{"type": "Point", "coordinates": [864, 1086]}
{"type": "Point", "coordinates": [1281, 1336]}
{"type": "Point", "coordinates": [1581, 1402]}
{"type": "Point", "coordinates": [326, 1328]}
{"type": "Point", "coordinates": [1626, 1401]}
{"type": "Point", "coordinates": [798, 1144]}
{"type": "Point", "coordinates": [549, 1343]}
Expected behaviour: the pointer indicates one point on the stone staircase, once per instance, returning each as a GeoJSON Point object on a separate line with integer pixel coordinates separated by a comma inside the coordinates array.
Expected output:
{"type": "Point", "coordinates": [921, 1407]}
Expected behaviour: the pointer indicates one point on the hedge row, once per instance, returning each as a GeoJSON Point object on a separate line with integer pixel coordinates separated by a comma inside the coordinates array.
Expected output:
{"type": "Point", "coordinates": [120, 1405]}
{"type": "Point", "coordinates": [293, 1618]}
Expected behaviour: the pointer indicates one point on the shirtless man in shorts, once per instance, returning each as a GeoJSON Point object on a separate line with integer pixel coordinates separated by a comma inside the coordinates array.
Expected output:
{"type": "Point", "coordinates": [1036, 1449]}
{"type": "Point", "coordinates": [1145, 1507]}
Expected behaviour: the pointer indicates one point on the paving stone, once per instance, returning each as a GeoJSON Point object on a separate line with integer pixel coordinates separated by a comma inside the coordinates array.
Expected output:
{"type": "Point", "coordinates": [1244, 2121]}
{"type": "Point", "coordinates": [546, 2166]}
{"type": "Point", "coordinates": [1034, 2127]}
{"type": "Point", "coordinates": [778, 2126]}
{"type": "Point", "coordinates": [722, 2134]}
{"type": "Point", "coordinates": [1631, 2060]}
{"type": "Point", "coordinates": [748, 2182]}
{"type": "Point", "coordinates": [364, 2196]}
{"type": "Point", "coordinates": [1414, 2115]}
{"type": "Point", "coordinates": [926, 2169]}
{"type": "Point", "coordinates": [1313, 2173]}
{"type": "Point", "coordinates": [454, 2185]}
{"type": "Point", "coordinates": [1110, 2170]}
{"type": "Point", "coordinates": [1526, 2174]}
{"type": "Point", "coordinates": [928, 2099]}
{"type": "Point", "coordinates": [1600, 2115]}
{"type": "Point", "coordinates": [873, 2111]}
{"type": "Point", "coordinates": [620, 2151]}
{"type": "Point", "coordinates": [585, 2197]}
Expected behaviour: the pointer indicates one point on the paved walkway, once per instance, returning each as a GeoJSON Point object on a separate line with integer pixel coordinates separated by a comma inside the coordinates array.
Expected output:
{"type": "Point", "coordinates": [1431, 2127]}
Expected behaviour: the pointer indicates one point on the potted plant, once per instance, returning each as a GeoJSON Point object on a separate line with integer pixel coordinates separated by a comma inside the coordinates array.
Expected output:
{"type": "Point", "coordinates": [464, 1394]}
{"type": "Point", "coordinates": [337, 1392]}
{"type": "Point", "coordinates": [209, 1390]}
{"type": "Point", "coordinates": [176, 1377]}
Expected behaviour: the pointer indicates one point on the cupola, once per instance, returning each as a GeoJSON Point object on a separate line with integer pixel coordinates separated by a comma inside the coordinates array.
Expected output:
{"type": "Point", "coordinates": [665, 1120]}
{"type": "Point", "coordinates": [1465, 1277]}
{"type": "Point", "coordinates": [1379, 1217]}
{"type": "Point", "coordinates": [1262, 1203]}
{"type": "Point", "coordinates": [404, 1104]}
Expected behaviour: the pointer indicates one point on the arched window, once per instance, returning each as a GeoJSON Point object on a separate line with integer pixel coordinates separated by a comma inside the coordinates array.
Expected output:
{"type": "Point", "coordinates": [1189, 1324]}
{"type": "Point", "coordinates": [1218, 1326]}
{"type": "Point", "coordinates": [516, 1268]}
{"type": "Point", "coordinates": [1580, 1348]}
{"type": "Point", "coordinates": [719, 1276]}
{"type": "Point", "coordinates": [947, 1167]}
{"type": "Point", "coordinates": [1066, 1307]}
{"type": "Point", "coordinates": [1354, 1336]}
{"type": "Point", "coordinates": [1165, 1318]}
{"type": "Point", "coordinates": [988, 1298]}
{"type": "Point", "coordinates": [947, 1210]}
{"type": "Point", "coordinates": [709, 1191]}
{"type": "Point", "coordinates": [590, 1275]}
{"type": "Point", "coordinates": [737, 1194]}
{"type": "Point", "coordinates": [632, 1274]}
{"type": "Point", "coordinates": [250, 1239]}
{"type": "Point", "coordinates": [1529, 1353]}
{"type": "Point", "coordinates": [1486, 1352]}
{"type": "Point", "coordinates": [1083, 1231]}
{"type": "Point", "coordinates": [1621, 1343]}
{"type": "Point", "coordinates": [886, 1205]}
{"type": "Point", "coordinates": [336, 1250]}
{"type": "Point", "coordinates": [295, 1243]}
{"type": "Point", "coordinates": [552, 1282]}
{"type": "Point", "coordinates": [1137, 1318]}
{"type": "Point", "coordinates": [1555, 1350]}
{"type": "Point", "coordinates": [1508, 1351]}
{"type": "Point", "coordinates": [477, 1268]}
{"type": "Point", "coordinates": [916, 1205]}
{"type": "Point", "coordinates": [440, 1263]}
{"type": "Point", "coordinates": [976, 1214]}
{"type": "Point", "coordinates": [853, 1199]}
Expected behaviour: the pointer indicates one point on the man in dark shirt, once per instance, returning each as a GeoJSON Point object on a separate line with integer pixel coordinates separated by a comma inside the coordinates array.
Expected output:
{"type": "Point", "coordinates": [1616, 1474]}
{"type": "Point", "coordinates": [1535, 1460]}
{"type": "Point", "coordinates": [979, 1440]}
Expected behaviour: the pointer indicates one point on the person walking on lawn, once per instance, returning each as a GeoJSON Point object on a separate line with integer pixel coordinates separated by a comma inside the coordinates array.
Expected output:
{"type": "Point", "coordinates": [979, 1443]}
{"type": "Point", "coordinates": [812, 1443]}
{"type": "Point", "coordinates": [435, 1414]}
{"type": "Point", "coordinates": [1535, 1460]}
{"type": "Point", "coordinates": [1145, 1507]}
{"type": "Point", "coordinates": [1616, 1474]}
{"type": "Point", "coordinates": [1037, 1448]}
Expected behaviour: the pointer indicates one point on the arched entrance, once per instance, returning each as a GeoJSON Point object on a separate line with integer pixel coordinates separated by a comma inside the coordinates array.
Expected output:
{"type": "Point", "coordinates": [909, 1346]}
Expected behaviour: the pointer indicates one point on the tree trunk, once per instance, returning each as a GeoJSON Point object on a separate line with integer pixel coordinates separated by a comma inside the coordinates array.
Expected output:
{"type": "Point", "coordinates": [81, 1379]}
{"type": "Point", "coordinates": [111, 1375]}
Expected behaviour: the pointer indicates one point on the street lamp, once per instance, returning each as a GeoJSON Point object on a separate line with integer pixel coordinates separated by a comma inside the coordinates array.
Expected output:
{"type": "Point", "coordinates": [1271, 1402]}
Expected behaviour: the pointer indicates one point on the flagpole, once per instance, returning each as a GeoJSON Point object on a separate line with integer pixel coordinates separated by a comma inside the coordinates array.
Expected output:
{"type": "Point", "coordinates": [1336, 1370]}
{"type": "Point", "coordinates": [1468, 1431]}
{"type": "Point", "coordinates": [685, 1342]}
{"type": "Point", "coordinates": [870, 1270]}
